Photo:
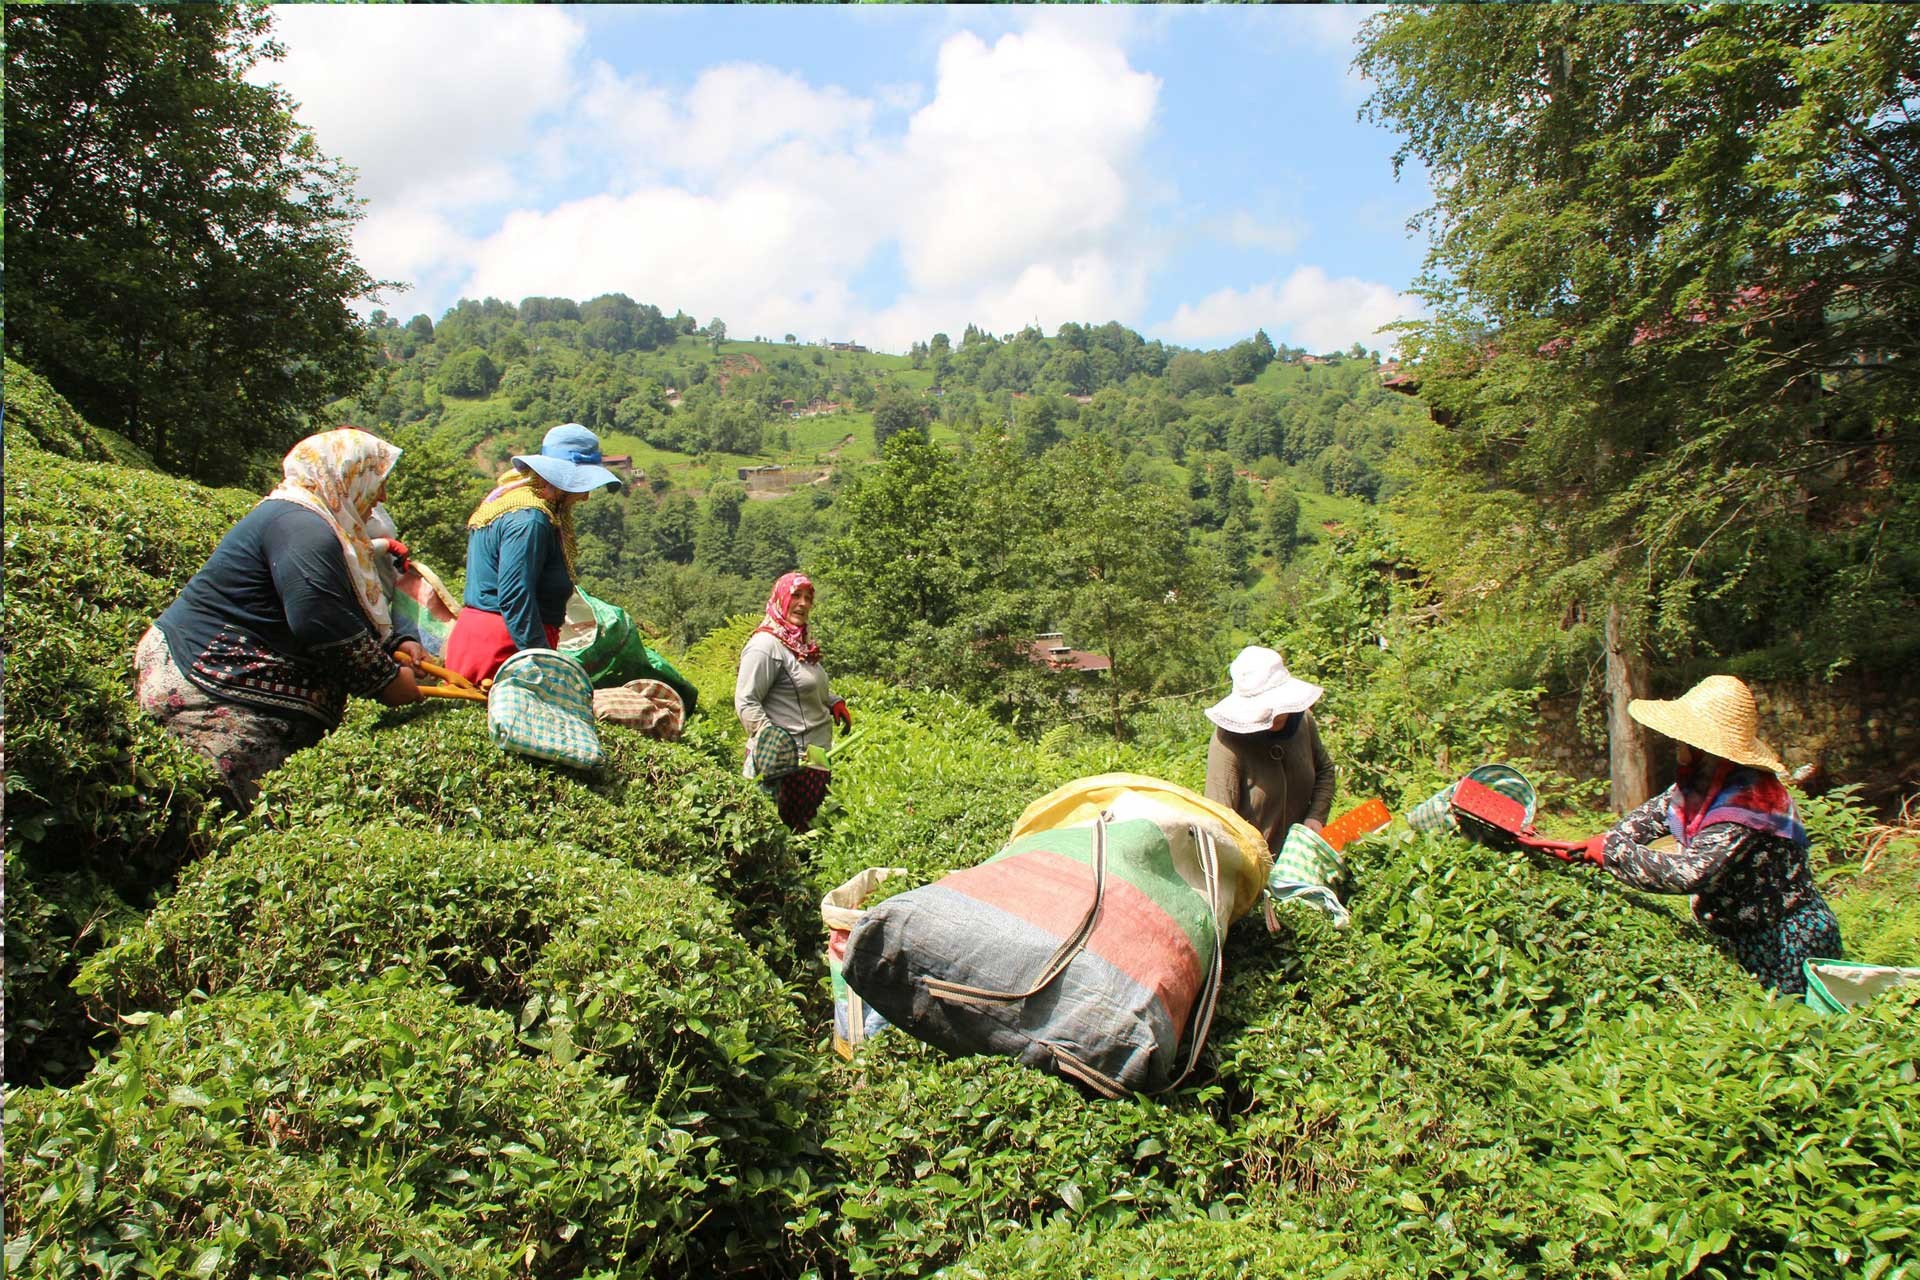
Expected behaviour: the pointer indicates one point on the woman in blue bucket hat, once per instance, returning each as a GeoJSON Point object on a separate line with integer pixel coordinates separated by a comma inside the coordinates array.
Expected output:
{"type": "Point", "coordinates": [521, 551]}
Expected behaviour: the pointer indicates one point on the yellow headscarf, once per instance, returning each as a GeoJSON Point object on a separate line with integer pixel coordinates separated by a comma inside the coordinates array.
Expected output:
{"type": "Point", "coordinates": [337, 475]}
{"type": "Point", "coordinates": [514, 492]}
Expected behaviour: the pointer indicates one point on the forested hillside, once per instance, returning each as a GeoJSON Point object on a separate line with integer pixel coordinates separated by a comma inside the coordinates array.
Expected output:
{"type": "Point", "coordinates": [432, 1008]}
{"type": "Point", "coordinates": [1254, 447]}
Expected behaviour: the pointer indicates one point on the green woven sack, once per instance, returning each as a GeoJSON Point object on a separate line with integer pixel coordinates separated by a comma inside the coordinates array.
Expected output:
{"type": "Point", "coordinates": [619, 653]}
{"type": "Point", "coordinates": [1834, 986]}
{"type": "Point", "coordinates": [541, 705]}
{"type": "Point", "coordinates": [773, 753]}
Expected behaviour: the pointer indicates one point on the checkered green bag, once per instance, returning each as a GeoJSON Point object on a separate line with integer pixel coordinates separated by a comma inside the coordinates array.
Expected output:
{"type": "Point", "coordinates": [541, 705]}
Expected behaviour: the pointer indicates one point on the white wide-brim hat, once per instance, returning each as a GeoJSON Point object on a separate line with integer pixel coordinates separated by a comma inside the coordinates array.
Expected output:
{"type": "Point", "coordinates": [1262, 689]}
{"type": "Point", "coordinates": [1717, 716]}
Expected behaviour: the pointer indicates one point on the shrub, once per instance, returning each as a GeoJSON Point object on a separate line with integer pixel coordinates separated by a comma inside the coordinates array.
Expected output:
{"type": "Point", "coordinates": [941, 1154]}
{"type": "Point", "coordinates": [94, 553]}
{"type": "Point", "coordinates": [1161, 1249]}
{"type": "Point", "coordinates": [659, 806]}
{"type": "Point", "coordinates": [39, 414]}
{"type": "Point", "coordinates": [1738, 1140]}
{"type": "Point", "coordinates": [591, 960]}
{"type": "Point", "coordinates": [100, 800]}
{"type": "Point", "coordinates": [377, 1128]}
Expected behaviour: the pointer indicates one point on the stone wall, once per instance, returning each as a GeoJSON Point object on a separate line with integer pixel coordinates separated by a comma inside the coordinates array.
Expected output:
{"type": "Point", "coordinates": [1863, 726]}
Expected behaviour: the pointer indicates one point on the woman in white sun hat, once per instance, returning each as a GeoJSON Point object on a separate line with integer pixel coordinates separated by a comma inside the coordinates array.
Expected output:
{"type": "Point", "coordinates": [1742, 852]}
{"type": "Point", "coordinates": [1266, 761]}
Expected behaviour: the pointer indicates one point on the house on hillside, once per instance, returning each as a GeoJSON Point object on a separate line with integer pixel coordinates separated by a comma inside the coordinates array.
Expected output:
{"type": "Point", "coordinates": [854, 347]}
{"type": "Point", "coordinates": [763, 469]}
{"type": "Point", "coordinates": [1049, 649]}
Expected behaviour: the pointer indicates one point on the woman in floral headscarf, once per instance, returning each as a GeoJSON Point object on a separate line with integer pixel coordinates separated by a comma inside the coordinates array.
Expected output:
{"type": "Point", "coordinates": [257, 656]}
{"type": "Point", "coordinates": [785, 704]}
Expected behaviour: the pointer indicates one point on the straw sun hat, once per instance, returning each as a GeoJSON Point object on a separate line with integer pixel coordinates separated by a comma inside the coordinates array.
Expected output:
{"type": "Point", "coordinates": [1262, 689]}
{"type": "Point", "coordinates": [1717, 715]}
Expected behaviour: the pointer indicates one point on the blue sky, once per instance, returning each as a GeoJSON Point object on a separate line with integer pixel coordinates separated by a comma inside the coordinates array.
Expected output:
{"type": "Point", "coordinates": [876, 173]}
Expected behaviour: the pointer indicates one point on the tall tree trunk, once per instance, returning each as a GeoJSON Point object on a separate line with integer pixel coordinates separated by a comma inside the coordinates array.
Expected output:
{"type": "Point", "coordinates": [1629, 745]}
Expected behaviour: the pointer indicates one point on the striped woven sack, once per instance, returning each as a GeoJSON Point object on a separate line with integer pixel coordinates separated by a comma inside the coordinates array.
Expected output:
{"type": "Point", "coordinates": [541, 705]}
{"type": "Point", "coordinates": [1092, 951]}
{"type": "Point", "coordinates": [647, 705]}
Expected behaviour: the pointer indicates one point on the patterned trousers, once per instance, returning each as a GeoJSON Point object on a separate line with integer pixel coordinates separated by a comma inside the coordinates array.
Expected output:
{"type": "Point", "coordinates": [244, 745]}
{"type": "Point", "coordinates": [1774, 955]}
{"type": "Point", "coordinates": [798, 796]}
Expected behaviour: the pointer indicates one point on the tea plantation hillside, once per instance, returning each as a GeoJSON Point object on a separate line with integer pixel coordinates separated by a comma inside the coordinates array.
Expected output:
{"type": "Point", "coordinates": [433, 1010]}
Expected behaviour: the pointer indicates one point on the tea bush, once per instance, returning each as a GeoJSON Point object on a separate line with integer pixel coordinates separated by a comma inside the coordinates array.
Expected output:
{"type": "Point", "coordinates": [1740, 1139]}
{"type": "Point", "coordinates": [1247, 1248]}
{"type": "Point", "coordinates": [941, 1153]}
{"type": "Point", "coordinates": [38, 414]}
{"type": "Point", "coordinates": [376, 1128]}
{"type": "Point", "coordinates": [101, 802]}
{"type": "Point", "coordinates": [659, 806]}
{"type": "Point", "coordinates": [637, 973]}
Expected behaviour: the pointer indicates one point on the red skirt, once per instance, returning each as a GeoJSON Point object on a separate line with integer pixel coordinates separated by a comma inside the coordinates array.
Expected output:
{"type": "Point", "coordinates": [480, 642]}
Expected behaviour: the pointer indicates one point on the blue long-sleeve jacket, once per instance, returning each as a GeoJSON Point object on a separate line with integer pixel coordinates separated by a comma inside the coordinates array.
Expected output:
{"type": "Point", "coordinates": [515, 568]}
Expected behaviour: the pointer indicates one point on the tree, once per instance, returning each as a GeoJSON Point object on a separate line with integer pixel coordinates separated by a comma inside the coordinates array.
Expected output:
{"type": "Point", "coordinates": [1671, 271]}
{"type": "Point", "coordinates": [716, 331]}
{"type": "Point", "coordinates": [178, 259]}
{"type": "Point", "coordinates": [1121, 572]}
{"type": "Point", "coordinates": [895, 411]}
{"type": "Point", "coordinates": [1283, 523]}
{"type": "Point", "coordinates": [470, 373]}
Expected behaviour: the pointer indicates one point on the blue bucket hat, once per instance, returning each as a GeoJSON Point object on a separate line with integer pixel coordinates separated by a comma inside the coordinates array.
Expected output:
{"type": "Point", "coordinates": [569, 460]}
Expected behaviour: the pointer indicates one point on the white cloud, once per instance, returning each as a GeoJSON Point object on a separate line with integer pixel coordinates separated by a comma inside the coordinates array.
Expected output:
{"type": "Point", "coordinates": [1307, 309]}
{"type": "Point", "coordinates": [759, 197]}
{"type": "Point", "coordinates": [425, 100]}
{"type": "Point", "coordinates": [1025, 153]}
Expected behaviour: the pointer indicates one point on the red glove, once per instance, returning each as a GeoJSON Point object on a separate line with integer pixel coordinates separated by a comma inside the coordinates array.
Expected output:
{"type": "Point", "coordinates": [1595, 851]}
{"type": "Point", "coordinates": [841, 716]}
{"type": "Point", "coordinates": [399, 552]}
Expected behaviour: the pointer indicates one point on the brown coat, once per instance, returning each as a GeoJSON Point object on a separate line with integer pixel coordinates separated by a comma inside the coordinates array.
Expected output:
{"type": "Point", "coordinates": [1270, 780]}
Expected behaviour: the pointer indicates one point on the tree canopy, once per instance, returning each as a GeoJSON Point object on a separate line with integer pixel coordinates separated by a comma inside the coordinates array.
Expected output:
{"type": "Point", "coordinates": [178, 261]}
{"type": "Point", "coordinates": [1673, 276]}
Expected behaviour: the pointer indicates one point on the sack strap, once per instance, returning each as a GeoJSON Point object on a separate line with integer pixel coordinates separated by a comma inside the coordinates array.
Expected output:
{"type": "Point", "coordinates": [1062, 955]}
{"type": "Point", "coordinates": [1210, 993]}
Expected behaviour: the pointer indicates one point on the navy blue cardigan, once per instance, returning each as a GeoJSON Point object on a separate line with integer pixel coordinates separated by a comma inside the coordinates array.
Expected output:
{"type": "Point", "coordinates": [272, 622]}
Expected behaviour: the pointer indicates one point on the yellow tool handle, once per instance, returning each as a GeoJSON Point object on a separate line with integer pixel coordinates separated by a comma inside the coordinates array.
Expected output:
{"type": "Point", "coordinates": [444, 691]}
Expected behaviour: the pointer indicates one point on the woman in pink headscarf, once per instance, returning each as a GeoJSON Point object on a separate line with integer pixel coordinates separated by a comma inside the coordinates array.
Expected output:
{"type": "Point", "coordinates": [785, 703]}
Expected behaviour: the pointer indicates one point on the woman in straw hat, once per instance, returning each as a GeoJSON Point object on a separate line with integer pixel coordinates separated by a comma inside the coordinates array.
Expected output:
{"type": "Point", "coordinates": [1742, 852]}
{"type": "Point", "coordinates": [1266, 761]}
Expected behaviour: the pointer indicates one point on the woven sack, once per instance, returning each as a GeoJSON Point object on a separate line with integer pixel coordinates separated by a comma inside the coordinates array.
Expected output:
{"type": "Point", "coordinates": [647, 705]}
{"type": "Point", "coordinates": [1089, 947]}
{"type": "Point", "coordinates": [772, 754]}
{"type": "Point", "coordinates": [541, 705]}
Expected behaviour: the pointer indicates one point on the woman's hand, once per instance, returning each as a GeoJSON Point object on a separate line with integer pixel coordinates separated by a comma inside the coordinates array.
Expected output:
{"type": "Point", "coordinates": [1595, 850]}
{"type": "Point", "coordinates": [409, 653]}
{"type": "Point", "coordinates": [402, 689]}
{"type": "Point", "coordinates": [841, 716]}
{"type": "Point", "coordinates": [1314, 825]}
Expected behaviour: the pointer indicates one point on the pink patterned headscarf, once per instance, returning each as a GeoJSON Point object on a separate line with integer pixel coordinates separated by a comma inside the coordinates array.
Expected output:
{"type": "Point", "coordinates": [778, 625]}
{"type": "Point", "coordinates": [337, 475]}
